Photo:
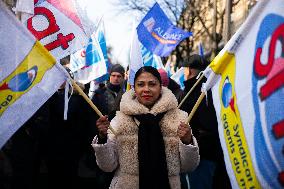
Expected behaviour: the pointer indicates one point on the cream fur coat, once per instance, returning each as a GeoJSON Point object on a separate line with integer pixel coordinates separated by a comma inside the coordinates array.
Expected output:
{"type": "Point", "coordinates": [120, 153]}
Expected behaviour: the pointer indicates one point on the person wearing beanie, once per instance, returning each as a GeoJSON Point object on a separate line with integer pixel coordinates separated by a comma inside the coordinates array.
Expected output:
{"type": "Point", "coordinates": [108, 100]}
{"type": "Point", "coordinates": [211, 172]}
{"type": "Point", "coordinates": [117, 68]}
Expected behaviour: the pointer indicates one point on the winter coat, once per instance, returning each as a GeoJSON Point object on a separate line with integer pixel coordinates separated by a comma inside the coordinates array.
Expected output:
{"type": "Point", "coordinates": [120, 153]}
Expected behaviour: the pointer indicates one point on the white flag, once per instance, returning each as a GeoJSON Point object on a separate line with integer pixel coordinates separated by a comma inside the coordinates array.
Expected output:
{"type": "Point", "coordinates": [136, 60]}
{"type": "Point", "coordinates": [247, 80]}
{"type": "Point", "coordinates": [28, 76]}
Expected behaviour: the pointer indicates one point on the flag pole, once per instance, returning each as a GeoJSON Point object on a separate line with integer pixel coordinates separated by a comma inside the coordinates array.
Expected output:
{"type": "Point", "coordinates": [81, 92]}
{"type": "Point", "coordinates": [189, 92]}
{"type": "Point", "coordinates": [196, 105]}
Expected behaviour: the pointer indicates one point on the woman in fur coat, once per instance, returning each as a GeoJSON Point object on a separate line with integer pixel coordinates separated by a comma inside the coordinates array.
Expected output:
{"type": "Point", "coordinates": [152, 144]}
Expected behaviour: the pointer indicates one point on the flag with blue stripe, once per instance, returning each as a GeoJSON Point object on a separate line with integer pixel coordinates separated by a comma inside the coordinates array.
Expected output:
{"type": "Point", "coordinates": [102, 41]}
{"type": "Point", "coordinates": [92, 62]}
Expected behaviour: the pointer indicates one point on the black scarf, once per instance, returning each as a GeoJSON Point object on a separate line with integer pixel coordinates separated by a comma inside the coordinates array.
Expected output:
{"type": "Point", "coordinates": [153, 170]}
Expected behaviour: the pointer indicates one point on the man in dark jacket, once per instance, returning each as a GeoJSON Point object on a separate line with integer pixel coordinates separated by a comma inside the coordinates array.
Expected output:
{"type": "Point", "coordinates": [211, 172]}
{"type": "Point", "coordinates": [108, 99]}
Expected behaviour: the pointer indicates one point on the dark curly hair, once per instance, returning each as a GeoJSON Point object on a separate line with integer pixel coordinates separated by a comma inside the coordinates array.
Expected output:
{"type": "Point", "coordinates": [150, 70]}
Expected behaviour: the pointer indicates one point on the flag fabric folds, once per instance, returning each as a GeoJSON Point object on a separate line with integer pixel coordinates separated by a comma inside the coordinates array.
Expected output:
{"type": "Point", "coordinates": [78, 60]}
{"type": "Point", "coordinates": [91, 63]}
{"type": "Point", "coordinates": [157, 33]}
{"type": "Point", "coordinates": [178, 77]}
{"type": "Point", "coordinates": [29, 75]}
{"type": "Point", "coordinates": [168, 68]}
{"type": "Point", "coordinates": [100, 34]}
{"type": "Point", "coordinates": [60, 25]}
{"type": "Point", "coordinates": [141, 56]}
{"type": "Point", "coordinates": [136, 59]}
{"type": "Point", "coordinates": [150, 59]}
{"type": "Point", "coordinates": [247, 79]}
{"type": "Point", "coordinates": [25, 9]}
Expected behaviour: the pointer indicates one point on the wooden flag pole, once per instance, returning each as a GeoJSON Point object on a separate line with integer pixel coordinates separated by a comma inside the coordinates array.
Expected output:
{"type": "Point", "coordinates": [195, 107]}
{"type": "Point", "coordinates": [81, 92]}
{"type": "Point", "coordinates": [193, 87]}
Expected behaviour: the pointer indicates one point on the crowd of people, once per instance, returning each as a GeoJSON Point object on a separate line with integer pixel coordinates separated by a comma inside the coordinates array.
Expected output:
{"type": "Point", "coordinates": [150, 145]}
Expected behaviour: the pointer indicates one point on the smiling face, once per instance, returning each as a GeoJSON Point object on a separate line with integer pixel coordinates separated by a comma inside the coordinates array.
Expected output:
{"type": "Point", "coordinates": [147, 88]}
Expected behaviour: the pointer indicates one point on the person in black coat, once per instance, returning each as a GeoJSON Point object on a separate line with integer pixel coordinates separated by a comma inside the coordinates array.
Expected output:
{"type": "Point", "coordinates": [107, 98]}
{"type": "Point", "coordinates": [68, 139]}
{"type": "Point", "coordinates": [211, 172]}
{"type": "Point", "coordinates": [26, 151]}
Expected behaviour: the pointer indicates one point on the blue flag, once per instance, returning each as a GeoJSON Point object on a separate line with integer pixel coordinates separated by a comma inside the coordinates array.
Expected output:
{"type": "Point", "coordinates": [157, 33]}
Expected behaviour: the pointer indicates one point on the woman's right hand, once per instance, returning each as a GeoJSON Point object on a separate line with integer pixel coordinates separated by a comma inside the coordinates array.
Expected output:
{"type": "Point", "coordinates": [102, 124]}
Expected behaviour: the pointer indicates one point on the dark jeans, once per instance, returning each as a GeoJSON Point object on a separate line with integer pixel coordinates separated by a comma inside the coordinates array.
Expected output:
{"type": "Point", "coordinates": [202, 176]}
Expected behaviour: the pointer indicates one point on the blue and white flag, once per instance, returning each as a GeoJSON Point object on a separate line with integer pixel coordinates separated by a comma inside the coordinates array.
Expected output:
{"type": "Point", "coordinates": [77, 60]}
{"type": "Point", "coordinates": [141, 56]}
{"type": "Point", "coordinates": [92, 60]}
{"type": "Point", "coordinates": [150, 59]}
{"type": "Point", "coordinates": [157, 33]}
{"type": "Point", "coordinates": [91, 63]}
{"type": "Point", "coordinates": [179, 77]}
{"type": "Point", "coordinates": [100, 35]}
{"type": "Point", "coordinates": [168, 68]}
{"type": "Point", "coordinates": [102, 41]}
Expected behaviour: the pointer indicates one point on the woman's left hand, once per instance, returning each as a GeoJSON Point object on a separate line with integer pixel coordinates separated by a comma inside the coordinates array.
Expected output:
{"type": "Point", "coordinates": [184, 133]}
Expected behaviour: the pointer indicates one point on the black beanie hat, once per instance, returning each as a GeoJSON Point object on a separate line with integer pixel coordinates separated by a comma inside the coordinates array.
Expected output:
{"type": "Point", "coordinates": [195, 62]}
{"type": "Point", "coordinates": [117, 68]}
